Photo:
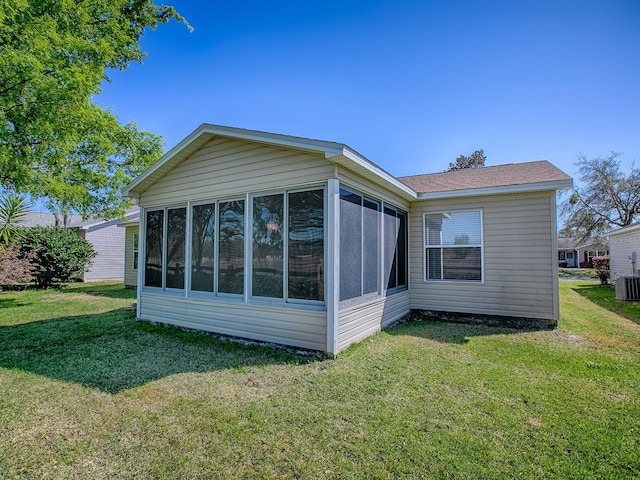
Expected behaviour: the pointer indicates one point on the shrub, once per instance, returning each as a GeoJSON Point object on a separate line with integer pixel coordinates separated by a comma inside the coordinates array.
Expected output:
{"type": "Point", "coordinates": [586, 265]}
{"type": "Point", "coordinates": [59, 254]}
{"type": "Point", "coordinates": [563, 264]}
{"type": "Point", "coordinates": [601, 266]}
{"type": "Point", "coordinates": [15, 267]}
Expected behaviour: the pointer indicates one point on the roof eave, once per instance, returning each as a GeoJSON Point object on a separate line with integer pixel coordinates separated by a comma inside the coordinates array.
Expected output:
{"type": "Point", "coordinates": [354, 161]}
{"type": "Point", "coordinates": [623, 230]}
{"type": "Point", "coordinates": [499, 190]}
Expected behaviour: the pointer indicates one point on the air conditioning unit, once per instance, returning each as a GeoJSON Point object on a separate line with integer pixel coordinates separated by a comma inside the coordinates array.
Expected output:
{"type": "Point", "coordinates": [628, 288]}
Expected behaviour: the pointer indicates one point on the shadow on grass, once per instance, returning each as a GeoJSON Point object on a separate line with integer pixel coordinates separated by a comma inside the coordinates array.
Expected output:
{"type": "Point", "coordinates": [108, 290]}
{"type": "Point", "coordinates": [112, 352]}
{"type": "Point", "coordinates": [450, 332]}
{"type": "Point", "coordinates": [12, 303]}
{"type": "Point", "coordinates": [605, 297]}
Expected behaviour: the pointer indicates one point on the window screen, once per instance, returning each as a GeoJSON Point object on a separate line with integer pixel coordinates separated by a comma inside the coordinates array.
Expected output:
{"type": "Point", "coordinates": [153, 248]}
{"type": "Point", "coordinates": [176, 226]}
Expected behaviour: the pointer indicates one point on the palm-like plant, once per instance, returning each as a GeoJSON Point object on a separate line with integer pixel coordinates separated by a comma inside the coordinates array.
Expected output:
{"type": "Point", "coordinates": [13, 210]}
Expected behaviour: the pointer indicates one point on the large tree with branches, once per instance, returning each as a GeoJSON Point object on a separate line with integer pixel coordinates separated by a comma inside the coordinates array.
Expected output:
{"type": "Point", "coordinates": [607, 197]}
{"type": "Point", "coordinates": [55, 142]}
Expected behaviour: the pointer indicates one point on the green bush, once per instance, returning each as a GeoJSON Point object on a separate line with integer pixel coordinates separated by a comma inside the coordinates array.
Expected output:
{"type": "Point", "coordinates": [59, 255]}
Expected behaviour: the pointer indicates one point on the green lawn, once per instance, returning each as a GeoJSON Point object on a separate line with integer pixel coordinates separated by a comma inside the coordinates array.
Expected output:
{"type": "Point", "coordinates": [87, 393]}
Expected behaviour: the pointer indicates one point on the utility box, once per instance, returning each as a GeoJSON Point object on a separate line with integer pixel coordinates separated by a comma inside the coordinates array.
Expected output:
{"type": "Point", "coordinates": [628, 288]}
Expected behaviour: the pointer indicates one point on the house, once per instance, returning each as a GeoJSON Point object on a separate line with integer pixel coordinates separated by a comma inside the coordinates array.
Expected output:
{"type": "Point", "coordinates": [308, 243]}
{"type": "Point", "coordinates": [104, 236]}
{"type": "Point", "coordinates": [573, 253]}
{"type": "Point", "coordinates": [625, 251]}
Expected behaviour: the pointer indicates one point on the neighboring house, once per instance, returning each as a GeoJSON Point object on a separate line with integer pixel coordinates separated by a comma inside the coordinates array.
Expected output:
{"type": "Point", "coordinates": [104, 236]}
{"type": "Point", "coordinates": [307, 243]}
{"type": "Point", "coordinates": [573, 253]}
{"type": "Point", "coordinates": [625, 251]}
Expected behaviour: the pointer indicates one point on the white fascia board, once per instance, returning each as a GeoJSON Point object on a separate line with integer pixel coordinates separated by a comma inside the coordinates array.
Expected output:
{"type": "Point", "coordinates": [387, 179]}
{"type": "Point", "coordinates": [501, 190]}
{"type": "Point", "coordinates": [628, 229]}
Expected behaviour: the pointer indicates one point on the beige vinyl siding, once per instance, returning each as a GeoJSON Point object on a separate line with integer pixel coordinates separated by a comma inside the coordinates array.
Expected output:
{"type": "Point", "coordinates": [361, 321]}
{"type": "Point", "coordinates": [350, 179]}
{"type": "Point", "coordinates": [620, 247]}
{"type": "Point", "coordinates": [520, 268]}
{"type": "Point", "coordinates": [300, 328]}
{"type": "Point", "coordinates": [225, 167]}
{"type": "Point", "coordinates": [130, 275]}
{"type": "Point", "coordinates": [108, 242]}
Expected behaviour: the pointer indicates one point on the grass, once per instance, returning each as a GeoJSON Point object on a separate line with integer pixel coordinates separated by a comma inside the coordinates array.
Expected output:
{"type": "Point", "coordinates": [86, 392]}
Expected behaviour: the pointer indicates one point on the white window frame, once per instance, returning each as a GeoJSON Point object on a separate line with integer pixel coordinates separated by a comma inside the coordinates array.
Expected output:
{"type": "Point", "coordinates": [425, 246]}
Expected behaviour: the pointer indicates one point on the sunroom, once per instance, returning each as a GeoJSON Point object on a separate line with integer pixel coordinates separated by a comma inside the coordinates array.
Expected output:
{"type": "Point", "coordinates": [277, 264]}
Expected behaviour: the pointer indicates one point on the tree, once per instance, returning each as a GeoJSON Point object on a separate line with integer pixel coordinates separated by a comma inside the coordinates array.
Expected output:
{"type": "Point", "coordinates": [475, 160]}
{"type": "Point", "coordinates": [54, 141]}
{"type": "Point", "coordinates": [13, 209]}
{"type": "Point", "coordinates": [608, 198]}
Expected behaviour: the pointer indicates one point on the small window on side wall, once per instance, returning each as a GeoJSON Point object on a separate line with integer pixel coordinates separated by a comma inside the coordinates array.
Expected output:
{"type": "Point", "coordinates": [135, 251]}
{"type": "Point", "coordinates": [453, 246]}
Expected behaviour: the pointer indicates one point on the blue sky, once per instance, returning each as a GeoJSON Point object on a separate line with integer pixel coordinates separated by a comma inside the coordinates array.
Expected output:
{"type": "Point", "coordinates": [409, 84]}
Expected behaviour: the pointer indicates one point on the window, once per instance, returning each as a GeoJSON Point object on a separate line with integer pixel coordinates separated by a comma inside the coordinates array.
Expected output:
{"type": "Point", "coordinates": [268, 246]}
{"type": "Point", "coordinates": [176, 229]}
{"type": "Point", "coordinates": [286, 251]}
{"type": "Point", "coordinates": [135, 251]}
{"type": "Point", "coordinates": [165, 248]}
{"type": "Point", "coordinates": [365, 253]}
{"type": "Point", "coordinates": [154, 246]}
{"type": "Point", "coordinates": [453, 246]}
{"type": "Point", "coordinates": [203, 230]}
{"type": "Point", "coordinates": [299, 237]}
{"type": "Point", "coordinates": [306, 245]}
{"type": "Point", "coordinates": [395, 248]}
{"type": "Point", "coordinates": [231, 247]}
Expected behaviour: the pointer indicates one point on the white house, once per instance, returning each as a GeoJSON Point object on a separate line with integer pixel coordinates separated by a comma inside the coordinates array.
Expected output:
{"type": "Point", "coordinates": [307, 243]}
{"type": "Point", "coordinates": [624, 248]}
{"type": "Point", "coordinates": [105, 237]}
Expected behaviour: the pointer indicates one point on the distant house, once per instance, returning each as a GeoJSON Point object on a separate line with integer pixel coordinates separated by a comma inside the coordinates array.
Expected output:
{"type": "Point", "coordinates": [572, 253]}
{"type": "Point", "coordinates": [625, 251]}
{"type": "Point", "coordinates": [104, 236]}
{"type": "Point", "coordinates": [307, 243]}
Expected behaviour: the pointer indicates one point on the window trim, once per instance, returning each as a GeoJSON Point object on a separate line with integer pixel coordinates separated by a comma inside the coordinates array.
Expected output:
{"type": "Point", "coordinates": [425, 278]}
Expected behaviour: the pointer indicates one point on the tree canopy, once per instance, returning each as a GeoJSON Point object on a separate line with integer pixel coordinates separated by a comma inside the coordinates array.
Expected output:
{"type": "Point", "coordinates": [607, 198]}
{"type": "Point", "coordinates": [476, 159]}
{"type": "Point", "coordinates": [55, 142]}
